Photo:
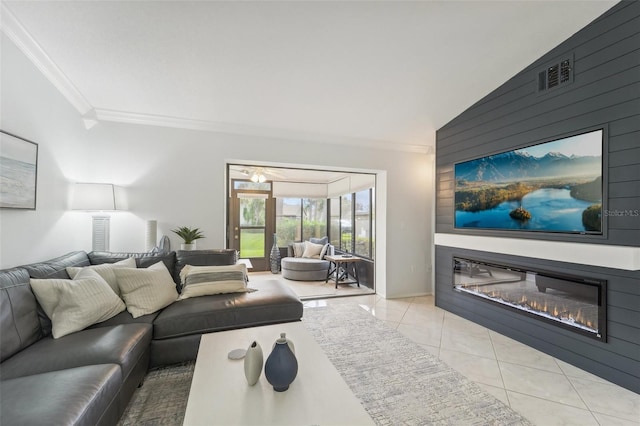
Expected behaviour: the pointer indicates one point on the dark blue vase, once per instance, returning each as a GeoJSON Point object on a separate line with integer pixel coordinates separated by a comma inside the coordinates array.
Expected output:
{"type": "Point", "coordinates": [281, 367]}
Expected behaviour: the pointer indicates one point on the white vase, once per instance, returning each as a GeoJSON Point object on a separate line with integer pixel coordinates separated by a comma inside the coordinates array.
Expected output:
{"type": "Point", "coordinates": [191, 246]}
{"type": "Point", "coordinates": [253, 361]}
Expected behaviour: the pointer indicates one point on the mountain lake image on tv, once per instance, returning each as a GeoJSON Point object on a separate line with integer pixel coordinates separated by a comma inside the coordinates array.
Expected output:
{"type": "Point", "coordinates": [550, 187]}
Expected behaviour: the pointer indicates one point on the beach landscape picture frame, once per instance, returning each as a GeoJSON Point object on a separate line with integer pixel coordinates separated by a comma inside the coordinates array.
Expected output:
{"type": "Point", "coordinates": [18, 172]}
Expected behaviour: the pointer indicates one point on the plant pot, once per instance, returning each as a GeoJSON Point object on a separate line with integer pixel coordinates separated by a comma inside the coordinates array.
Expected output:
{"type": "Point", "coordinates": [191, 246]}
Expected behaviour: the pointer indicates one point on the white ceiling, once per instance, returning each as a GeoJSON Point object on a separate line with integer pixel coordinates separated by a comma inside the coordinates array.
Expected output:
{"type": "Point", "coordinates": [366, 72]}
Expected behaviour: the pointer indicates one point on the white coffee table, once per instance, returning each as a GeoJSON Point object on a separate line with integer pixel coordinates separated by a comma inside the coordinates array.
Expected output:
{"type": "Point", "coordinates": [220, 394]}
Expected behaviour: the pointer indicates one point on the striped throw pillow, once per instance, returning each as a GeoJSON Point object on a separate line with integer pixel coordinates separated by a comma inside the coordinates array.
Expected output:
{"type": "Point", "coordinates": [205, 280]}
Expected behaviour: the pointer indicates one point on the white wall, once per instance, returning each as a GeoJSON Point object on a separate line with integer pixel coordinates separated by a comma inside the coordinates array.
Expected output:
{"type": "Point", "coordinates": [177, 177]}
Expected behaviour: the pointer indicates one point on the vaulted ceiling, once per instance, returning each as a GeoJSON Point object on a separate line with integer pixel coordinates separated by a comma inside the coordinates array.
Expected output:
{"type": "Point", "coordinates": [366, 72]}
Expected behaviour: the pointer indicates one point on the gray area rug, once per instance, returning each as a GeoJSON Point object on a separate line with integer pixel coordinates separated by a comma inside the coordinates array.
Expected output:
{"type": "Point", "coordinates": [398, 381]}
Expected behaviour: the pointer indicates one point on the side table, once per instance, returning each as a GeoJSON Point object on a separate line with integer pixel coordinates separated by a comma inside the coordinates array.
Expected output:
{"type": "Point", "coordinates": [339, 266]}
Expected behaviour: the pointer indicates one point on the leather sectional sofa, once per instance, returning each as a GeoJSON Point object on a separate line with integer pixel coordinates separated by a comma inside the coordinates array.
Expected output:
{"type": "Point", "coordinates": [88, 377]}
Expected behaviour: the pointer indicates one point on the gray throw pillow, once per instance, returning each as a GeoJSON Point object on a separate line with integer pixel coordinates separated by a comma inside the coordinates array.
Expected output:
{"type": "Point", "coordinates": [324, 240]}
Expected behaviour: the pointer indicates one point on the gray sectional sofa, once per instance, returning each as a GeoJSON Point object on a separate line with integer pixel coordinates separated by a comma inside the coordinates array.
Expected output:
{"type": "Point", "coordinates": [88, 377]}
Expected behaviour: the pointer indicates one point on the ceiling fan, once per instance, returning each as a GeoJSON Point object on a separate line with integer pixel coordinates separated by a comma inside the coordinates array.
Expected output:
{"type": "Point", "coordinates": [258, 174]}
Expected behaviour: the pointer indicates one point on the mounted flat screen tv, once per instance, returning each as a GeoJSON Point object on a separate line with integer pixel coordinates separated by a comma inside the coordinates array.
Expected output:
{"type": "Point", "coordinates": [554, 186]}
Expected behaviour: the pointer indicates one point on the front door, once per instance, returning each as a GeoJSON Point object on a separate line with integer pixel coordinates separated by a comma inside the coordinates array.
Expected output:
{"type": "Point", "coordinates": [251, 222]}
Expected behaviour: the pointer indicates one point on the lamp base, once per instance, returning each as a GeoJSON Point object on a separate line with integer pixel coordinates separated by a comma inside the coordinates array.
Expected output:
{"type": "Point", "coordinates": [100, 233]}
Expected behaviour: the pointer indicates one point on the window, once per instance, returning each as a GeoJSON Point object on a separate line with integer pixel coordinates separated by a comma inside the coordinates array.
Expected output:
{"type": "Point", "coordinates": [362, 236]}
{"type": "Point", "coordinates": [314, 218]}
{"type": "Point", "coordinates": [252, 227]}
{"type": "Point", "coordinates": [298, 219]}
{"type": "Point", "coordinates": [347, 220]}
{"type": "Point", "coordinates": [334, 222]}
{"type": "Point", "coordinates": [251, 186]}
{"type": "Point", "coordinates": [346, 223]}
{"type": "Point", "coordinates": [288, 220]}
{"type": "Point", "coordinates": [351, 220]}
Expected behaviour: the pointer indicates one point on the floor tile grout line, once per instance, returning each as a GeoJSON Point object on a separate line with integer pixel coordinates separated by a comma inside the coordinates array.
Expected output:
{"type": "Point", "coordinates": [551, 400]}
{"type": "Point", "coordinates": [441, 334]}
{"type": "Point", "coordinates": [577, 392]}
{"type": "Point", "coordinates": [504, 385]}
{"type": "Point", "coordinates": [534, 368]}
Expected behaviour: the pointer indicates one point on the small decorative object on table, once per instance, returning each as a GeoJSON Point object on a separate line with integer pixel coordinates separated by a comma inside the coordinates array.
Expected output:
{"type": "Point", "coordinates": [281, 367]}
{"type": "Point", "coordinates": [289, 342]}
{"type": "Point", "coordinates": [275, 256]}
{"type": "Point", "coordinates": [253, 363]}
{"type": "Point", "coordinates": [237, 354]}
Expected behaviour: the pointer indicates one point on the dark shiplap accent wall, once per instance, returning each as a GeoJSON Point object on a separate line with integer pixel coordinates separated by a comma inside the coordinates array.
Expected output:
{"type": "Point", "coordinates": [605, 93]}
{"type": "Point", "coordinates": [617, 360]}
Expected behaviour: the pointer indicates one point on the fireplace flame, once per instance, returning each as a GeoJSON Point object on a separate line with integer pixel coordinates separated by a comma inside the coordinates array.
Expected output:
{"type": "Point", "coordinates": [550, 308]}
{"type": "Point", "coordinates": [562, 300]}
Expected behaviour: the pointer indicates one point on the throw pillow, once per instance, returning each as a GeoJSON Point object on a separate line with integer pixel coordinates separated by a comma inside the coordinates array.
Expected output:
{"type": "Point", "coordinates": [323, 240]}
{"type": "Point", "coordinates": [105, 270]}
{"type": "Point", "coordinates": [298, 249]}
{"type": "Point", "coordinates": [147, 290]}
{"type": "Point", "coordinates": [312, 250]}
{"type": "Point", "coordinates": [324, 251]}
{"type": "Point", "coordinates": [203, 280]}
{"type": "Point", "coordinates": [73, 305]}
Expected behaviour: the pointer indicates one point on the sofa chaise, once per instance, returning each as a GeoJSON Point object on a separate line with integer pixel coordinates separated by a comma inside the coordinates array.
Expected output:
{"type": "Point", "coordinates": [88, 377]}
{"type": "Point", "coordinates": [305, 261]}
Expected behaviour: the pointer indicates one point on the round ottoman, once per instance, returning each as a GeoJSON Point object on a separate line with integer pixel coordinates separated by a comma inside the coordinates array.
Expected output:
{"type": "Point", "coordinates": [304, 269]}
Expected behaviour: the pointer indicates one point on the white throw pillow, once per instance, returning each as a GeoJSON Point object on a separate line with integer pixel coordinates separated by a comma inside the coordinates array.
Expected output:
{"type": "Point", "coordinates": [312, 250]}
{"type": "Point", "coordinates": [324, 251]}
{"type": "Point", "coordinates": [105, 270]}
{"type": "Point", "coordinates": [73, 305]}
{"type": "Point", "coordinates": [146, 290]}
{"type": "Point", "coordinates": [298, 249]}
{"type": "Point", "coordinates": [204, 280]}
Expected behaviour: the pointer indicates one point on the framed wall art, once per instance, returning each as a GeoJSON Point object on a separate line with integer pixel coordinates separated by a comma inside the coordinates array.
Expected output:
{"type": "Point", "coordinates": [18, 172]}
{"type": "Point", "coordinates": [555, 186]}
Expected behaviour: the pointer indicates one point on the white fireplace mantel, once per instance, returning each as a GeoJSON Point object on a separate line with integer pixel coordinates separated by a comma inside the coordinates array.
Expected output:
{"type": "Point", "coordinates": [607, 256]}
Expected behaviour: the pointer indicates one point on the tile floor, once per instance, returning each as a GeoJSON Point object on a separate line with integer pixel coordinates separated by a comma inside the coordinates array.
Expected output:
{"type": "Point", "coordinates": [543, 389]}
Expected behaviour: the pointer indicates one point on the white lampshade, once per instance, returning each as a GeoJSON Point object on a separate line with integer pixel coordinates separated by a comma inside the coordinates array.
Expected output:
{"type": "Point", "coordinates": [93, 197]}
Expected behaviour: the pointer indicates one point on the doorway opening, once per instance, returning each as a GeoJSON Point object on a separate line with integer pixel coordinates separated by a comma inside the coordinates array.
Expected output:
{"type": "Point", "coordinates": [292, 205]}
{"type": "Point", "coordinates": [250, 221]}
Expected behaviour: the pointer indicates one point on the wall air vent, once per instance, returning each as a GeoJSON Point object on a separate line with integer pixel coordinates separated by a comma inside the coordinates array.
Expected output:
{"type": "Point", "coordinates": [554, 75]}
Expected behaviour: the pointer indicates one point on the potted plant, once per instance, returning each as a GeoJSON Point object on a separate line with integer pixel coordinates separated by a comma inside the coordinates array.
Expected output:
{"type": "Point", "coordinates": [189, 236]}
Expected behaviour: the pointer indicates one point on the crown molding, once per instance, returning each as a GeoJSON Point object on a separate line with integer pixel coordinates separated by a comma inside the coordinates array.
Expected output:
{"type": "Point", "coordinates": [10, 25]}
{"type": "Point", "coordinates": [258, 131]}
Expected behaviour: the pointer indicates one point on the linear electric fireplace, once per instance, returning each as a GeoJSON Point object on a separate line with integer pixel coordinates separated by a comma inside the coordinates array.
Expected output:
{"type": "Point", "coordinates": [571, 302]}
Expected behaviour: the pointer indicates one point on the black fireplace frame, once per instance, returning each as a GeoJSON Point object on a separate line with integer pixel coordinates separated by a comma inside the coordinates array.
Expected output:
{"type": "Point", "coordinates": [601, 285]}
